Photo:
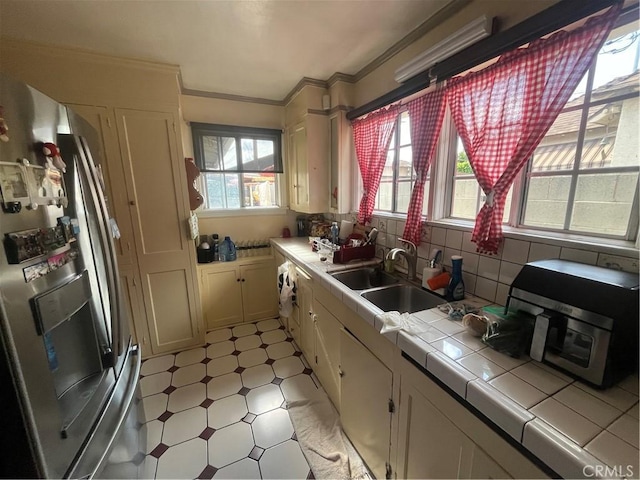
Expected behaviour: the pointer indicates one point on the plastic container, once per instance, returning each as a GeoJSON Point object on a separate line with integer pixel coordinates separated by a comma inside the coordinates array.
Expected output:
{"type": "Point", "coordinates": [227, 250]}
{"type": "Point", "coordinates": [335, 230]}
{"type": "Point", "coordinates": [455, 289]}
{"type": "Point", "coordinates": [430, 272]}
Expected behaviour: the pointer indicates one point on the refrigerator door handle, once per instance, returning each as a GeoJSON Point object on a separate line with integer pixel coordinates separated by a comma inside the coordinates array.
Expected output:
{"type": "Point", "coordinates": [85, 164]}
{"type": "Point", "coordinates": [99, 185]}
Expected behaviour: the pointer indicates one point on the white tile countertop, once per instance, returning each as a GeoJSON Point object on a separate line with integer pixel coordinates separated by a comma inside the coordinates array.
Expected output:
{"type": "Point", "coordinates": [566, 424]}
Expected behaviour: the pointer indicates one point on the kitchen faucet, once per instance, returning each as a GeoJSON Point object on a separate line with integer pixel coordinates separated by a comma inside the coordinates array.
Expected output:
{"type": "Point", "coordinates": [410, 254]}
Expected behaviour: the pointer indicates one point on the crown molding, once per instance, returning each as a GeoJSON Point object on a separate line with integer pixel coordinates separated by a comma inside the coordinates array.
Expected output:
{"type": "Point", "coordinates": [340, 77]}
{"type": "Point", "coordinates": [433, 21]}
{"type": "Point", "coordinates": [304, 82]}
{"type": "Point", "coordinates": [88, 55]}
{"type": "Point", "coordinates": [228, 96]}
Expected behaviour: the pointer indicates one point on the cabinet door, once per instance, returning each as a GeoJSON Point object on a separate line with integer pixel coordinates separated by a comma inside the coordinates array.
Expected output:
{"type": "Point", "coordinates": [104, 148]}
{"type": "Point", "coordinates": [299, 167]}
{"type": "Point", "coordinates": [221, 297]}
{"type": "Point", "coordinates": [304, 296]}
{"type": "Point", "coordinates": [158, 203]}
{"type": "Point", "coordinates": [365, 393]}
{"type": "Point", "coordinates": [341, 155]}
{"type": "Point", "coordinates": [483, 466]}
{"type": "Point", "coordinates": [429, 445]}
{"type": "Point", "coordinates": [259, 291]}
{"type": "Point", "coordinates": [130, 284]}
{"type": "Point", "coordinates": [327, 348]}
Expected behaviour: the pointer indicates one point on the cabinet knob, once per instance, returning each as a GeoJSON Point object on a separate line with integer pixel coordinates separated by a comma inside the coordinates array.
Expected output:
{"type": "Point", "coordinates": [132, 203]}
{"type": "Point", "coordinates": [237, 279]}
{"type": "Point", "coordinates": [340, 372]}
{"type": "Point", "coordinates": [310, 313]}
{"type": "Point", "coordinates": [243, 279]}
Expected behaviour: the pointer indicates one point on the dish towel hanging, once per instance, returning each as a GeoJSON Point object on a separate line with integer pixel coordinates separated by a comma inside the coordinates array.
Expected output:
{"type": "Point", "coordinates": [286, 288]}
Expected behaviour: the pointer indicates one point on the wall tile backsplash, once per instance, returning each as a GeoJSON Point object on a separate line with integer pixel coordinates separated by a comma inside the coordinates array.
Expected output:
{"type": "Point", "coordinates": [488, 276]}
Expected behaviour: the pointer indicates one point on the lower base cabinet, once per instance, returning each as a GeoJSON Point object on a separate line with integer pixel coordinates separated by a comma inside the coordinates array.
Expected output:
{"type": "Point", "coordinates": [240, 291]}
{"type": "Point", "coordinates": [429, 445]}
{"type": "Point", "coordinates": [326, 361]}
{"type": "Point", "coordinates": [365, 403]}
{"type": "Point", "coordinates": [439, 438]}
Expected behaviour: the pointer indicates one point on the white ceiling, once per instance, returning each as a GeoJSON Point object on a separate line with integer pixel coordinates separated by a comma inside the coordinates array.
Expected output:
{"type": "Point", "coordinates": [255, 48]}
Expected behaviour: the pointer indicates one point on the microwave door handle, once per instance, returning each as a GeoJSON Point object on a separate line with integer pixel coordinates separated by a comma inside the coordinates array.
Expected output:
{"type": "Point", "coordinates": [98, 187]}
{"type": "Point", "coordinates": [98, 201]}
{"type": "Point", "coordinates": [540, 337]}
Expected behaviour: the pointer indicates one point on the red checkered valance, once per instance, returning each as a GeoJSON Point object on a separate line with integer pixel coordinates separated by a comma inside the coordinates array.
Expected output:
{"type": "Point", "coordinates": [372, 135]}
{"type": "Point", "coordinates": [503, 111]}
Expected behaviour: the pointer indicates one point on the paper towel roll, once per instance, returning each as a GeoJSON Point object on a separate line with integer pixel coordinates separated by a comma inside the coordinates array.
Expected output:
{"type": "Point", "coordinates": [346, 229]}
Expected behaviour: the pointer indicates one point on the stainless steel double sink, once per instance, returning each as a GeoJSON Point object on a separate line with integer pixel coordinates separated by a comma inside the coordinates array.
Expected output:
{"type": "Point", "coordinates": [386, 291]}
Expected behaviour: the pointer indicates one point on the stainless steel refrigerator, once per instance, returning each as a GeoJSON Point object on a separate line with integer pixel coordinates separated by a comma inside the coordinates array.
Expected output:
{"type": "Point", "coordinates": [69, 372]}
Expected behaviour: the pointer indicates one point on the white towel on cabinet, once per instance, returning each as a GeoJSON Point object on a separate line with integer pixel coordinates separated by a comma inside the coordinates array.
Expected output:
{"type": "Point", "coordinates": [286, 288]}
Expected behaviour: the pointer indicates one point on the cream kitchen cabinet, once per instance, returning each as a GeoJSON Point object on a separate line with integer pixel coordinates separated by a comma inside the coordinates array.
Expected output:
{"type": "Point", "coordinates": [145, 189]}
{"type": "Point", "coordinates": [299, 320]}
{"type": "Point", "coordinates": [155, 184]}
{"type": "Point", "coordinates": [130, 291]}
{"type": "Point", "coordinates": [240, 291]}
{"type": "Point", "coordinates": [326, 361]}
{"type": "Point", "coordinates": [440, 438]}
{"type": "Point", "coordinates": [308, 162]}
{"type": "Point", "coordinates": [429, 445]}
{"type": "Point", "coordinates": [366, 403]}
{"type": "Point", "coordinates": [341, 157]}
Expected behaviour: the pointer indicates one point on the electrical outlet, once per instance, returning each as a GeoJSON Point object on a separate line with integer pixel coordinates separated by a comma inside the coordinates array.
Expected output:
{"type": "Point", "coordinates": [382, 225]}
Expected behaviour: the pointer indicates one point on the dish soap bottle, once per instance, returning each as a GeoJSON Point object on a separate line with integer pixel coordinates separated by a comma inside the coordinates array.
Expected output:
{"type": "Point", "coordinates": [455, 289]}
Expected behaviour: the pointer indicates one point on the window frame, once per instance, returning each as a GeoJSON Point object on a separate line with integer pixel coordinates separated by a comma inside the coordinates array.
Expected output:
{"type": "Point", "coordinates": [201, 130]}
{"type": "Point", "coordinates": [396, 146]}
{"type": "Point", "coordinates": [521, 183]}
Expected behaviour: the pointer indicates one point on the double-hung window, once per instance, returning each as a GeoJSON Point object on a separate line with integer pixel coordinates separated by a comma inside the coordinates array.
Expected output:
{"type": "Point", "coordinates": [239, 165]}
{"type": "Point", "coordinates": [583, 176]}
{"type": "Point", "coordinates": [399, 175]}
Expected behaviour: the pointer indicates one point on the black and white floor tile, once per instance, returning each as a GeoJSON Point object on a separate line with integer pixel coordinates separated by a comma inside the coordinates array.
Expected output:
{"type": "Point", "coordinates": [220, 411]}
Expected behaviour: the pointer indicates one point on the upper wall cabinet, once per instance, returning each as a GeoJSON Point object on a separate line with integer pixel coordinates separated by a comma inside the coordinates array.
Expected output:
{"type": "Point", "coordinates": [341, 154]}
{"type": "Point", "coordinates": [308, 162]}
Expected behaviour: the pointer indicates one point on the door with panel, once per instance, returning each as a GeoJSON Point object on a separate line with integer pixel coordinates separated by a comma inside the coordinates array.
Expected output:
{"type": "Point", "coordinates": [306, 317]}
{"type": "Point", "coordinates": [130, 284]}
{"type": "Point", "coordinates": [326, 362]}
{"type": "Point", "coordinates": [221, 296]}
{"type": "Point", "coordinates": [259, 291]}
{"type": "Point", "coordinates": [158, 203]}
{"type": "Point", "coordinates": [365, 403]}
{"type": "Point", "coordinates": [429, 445]}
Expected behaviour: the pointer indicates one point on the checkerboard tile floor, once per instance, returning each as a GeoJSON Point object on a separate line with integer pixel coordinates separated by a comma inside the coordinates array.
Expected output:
{"type": "Point", "coordinates": [220, 411]}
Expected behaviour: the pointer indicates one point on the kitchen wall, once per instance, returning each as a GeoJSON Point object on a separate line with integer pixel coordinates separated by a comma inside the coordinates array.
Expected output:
{"type": "Point", "coordinates": [508, 13]}
{"type": "Point", "coordinates": [250, 226]}
{"type": "Point", "coordinates": [489, 276]}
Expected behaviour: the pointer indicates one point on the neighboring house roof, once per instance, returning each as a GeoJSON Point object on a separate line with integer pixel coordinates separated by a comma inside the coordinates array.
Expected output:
{"type": "Point", "coordinates": [559, 153]}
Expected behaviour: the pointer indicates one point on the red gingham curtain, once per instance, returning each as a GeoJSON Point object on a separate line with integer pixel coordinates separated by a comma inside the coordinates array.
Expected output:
{"type": "Point", "coordinates": [504, 111]}
{"type": "Point", "coordinates": [372, 135]}
{"type": "Point", "coordinates": [426, 114]}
